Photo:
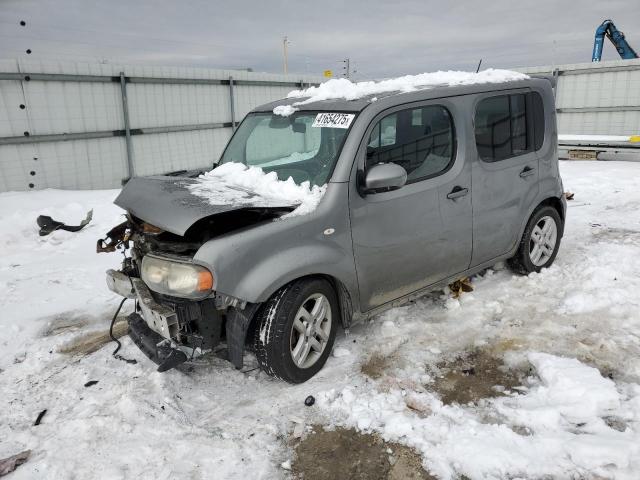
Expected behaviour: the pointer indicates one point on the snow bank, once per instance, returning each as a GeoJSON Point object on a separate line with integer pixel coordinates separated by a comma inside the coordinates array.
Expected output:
{"type": "Point", "coordinates": [237, 183]}
{"type": "Point", "coordinates": [563, 415]}
{"type": "Point", "coordinates": [570, 394]}
{"type": "Point", "coordinates": [341, 88]}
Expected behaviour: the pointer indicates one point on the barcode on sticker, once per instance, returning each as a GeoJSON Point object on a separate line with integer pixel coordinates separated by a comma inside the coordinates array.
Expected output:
{"type": "Point", "coordinates": [333, 120]}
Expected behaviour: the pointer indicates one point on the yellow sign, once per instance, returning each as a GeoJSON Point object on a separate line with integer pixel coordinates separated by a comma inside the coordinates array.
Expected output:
{"type": "Point", "coordinates": [328, 73]}
{"type": "Point", "coordinates": [634, 138]}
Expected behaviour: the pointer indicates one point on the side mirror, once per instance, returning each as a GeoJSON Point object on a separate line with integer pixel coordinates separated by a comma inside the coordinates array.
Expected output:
{"type": "Point", "coordinates": [384, 176]}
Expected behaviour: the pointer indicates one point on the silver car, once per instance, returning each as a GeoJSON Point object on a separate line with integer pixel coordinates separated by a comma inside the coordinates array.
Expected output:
{"type": "Point", "coordinates": [422, 188]}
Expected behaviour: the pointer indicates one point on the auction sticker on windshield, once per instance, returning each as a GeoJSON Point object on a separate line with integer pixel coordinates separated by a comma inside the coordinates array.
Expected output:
{"type": "Point", "coordinates": [333, 120]}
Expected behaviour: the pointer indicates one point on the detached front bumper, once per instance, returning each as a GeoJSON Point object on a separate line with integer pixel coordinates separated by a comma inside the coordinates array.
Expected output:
{"type": "Point", "coordinates": [153, 345]}
{"type": "Point", "coordinates": [170, 330]}
{"type": "Point", "coordinates": [154, 327]}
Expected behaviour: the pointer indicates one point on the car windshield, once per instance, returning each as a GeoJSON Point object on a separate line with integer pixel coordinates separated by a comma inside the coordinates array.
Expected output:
{"type": "Point", "coordinates": [304, 146]}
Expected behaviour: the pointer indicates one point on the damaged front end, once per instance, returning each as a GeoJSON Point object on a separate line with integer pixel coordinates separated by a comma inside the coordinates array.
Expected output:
{"type": "Point", "coordinates": [178, 314]}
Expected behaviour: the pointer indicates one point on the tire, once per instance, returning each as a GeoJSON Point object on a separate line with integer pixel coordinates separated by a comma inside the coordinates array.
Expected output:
{"type": "Point", "coordinates": [527, 259]}
{"type": "Point", "coordinates": [293, 345]}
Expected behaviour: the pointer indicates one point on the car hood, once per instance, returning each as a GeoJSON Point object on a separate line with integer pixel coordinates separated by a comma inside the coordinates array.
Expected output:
{"type": "Point", "coordinates": [168, 203]}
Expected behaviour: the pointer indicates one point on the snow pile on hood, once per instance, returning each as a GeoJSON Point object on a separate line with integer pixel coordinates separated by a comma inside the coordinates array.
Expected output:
{"type": "Point", "coordinates": [341, 88]}
{"type": "Point", "coordinates": [563, 415]}
{"type": "Point", "coordinates": [237, 183]}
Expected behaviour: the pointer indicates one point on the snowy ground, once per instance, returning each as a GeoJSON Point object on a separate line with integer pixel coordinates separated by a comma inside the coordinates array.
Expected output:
{"type": "Point", "coordinates": [568, 324]}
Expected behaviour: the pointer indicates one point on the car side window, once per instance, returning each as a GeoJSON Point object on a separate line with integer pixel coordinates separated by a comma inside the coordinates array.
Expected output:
{"type": "Point", "coordinates": [421, 140]}
{"type": "Point", "coordinates": [507, 126]}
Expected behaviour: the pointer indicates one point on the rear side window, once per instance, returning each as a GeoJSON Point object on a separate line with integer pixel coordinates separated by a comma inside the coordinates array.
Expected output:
{"type": "Point", "coordinates": [538, 119]}
{"type": "Point", "coordinates": [421, 140]}
{"type": "Point", "coordinates": [507, 126]}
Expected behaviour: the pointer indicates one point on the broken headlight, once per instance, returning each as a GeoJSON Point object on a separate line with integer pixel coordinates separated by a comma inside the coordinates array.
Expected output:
{"type": "Point", "coordinates": [177, 279]}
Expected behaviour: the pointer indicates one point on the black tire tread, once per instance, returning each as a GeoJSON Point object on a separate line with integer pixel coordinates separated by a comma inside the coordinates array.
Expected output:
{"type": "Point", "coordinates": [520, 262]}
{"type": "Point", "coordinates": [273, 330]}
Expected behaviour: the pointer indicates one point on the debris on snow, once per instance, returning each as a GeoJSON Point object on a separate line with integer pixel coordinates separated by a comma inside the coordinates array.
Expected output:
{"type": "Point", "coordinates": [48, 225]}
{"type": "Point", "coordinates": [90, 383]}
{"type": "Point", "coordinates": [40, 417]}
{"type": "Point", "coordinates": [460, 286]}
{"type": "Point", "coordinates": [309, 401]}
{"type": "Point", "coordinates": [246, 182]}
{"type": "Point", "coordinates": [8, 465]}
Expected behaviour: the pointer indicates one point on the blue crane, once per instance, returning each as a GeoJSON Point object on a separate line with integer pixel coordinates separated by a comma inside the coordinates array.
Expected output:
{"type": "Point", "coordinates": [617, 38]}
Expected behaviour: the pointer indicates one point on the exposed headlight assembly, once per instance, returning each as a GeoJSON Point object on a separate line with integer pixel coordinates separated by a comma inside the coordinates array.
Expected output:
{"type": "Point", "coordinates": [176, 278]}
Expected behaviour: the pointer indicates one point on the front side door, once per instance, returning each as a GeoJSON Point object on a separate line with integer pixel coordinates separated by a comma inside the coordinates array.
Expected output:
{"type": "Point", "coordinates": [504, 173]}
{"type": "Point", "coordinates": [412, 237]}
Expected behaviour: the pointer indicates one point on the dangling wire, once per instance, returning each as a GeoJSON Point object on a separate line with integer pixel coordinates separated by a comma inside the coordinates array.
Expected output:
{"type": "Point", "coordinates": [113, 321]}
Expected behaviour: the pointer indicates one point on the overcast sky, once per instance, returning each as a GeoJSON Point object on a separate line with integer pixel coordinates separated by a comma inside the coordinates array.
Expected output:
{"type": "Point", "coordinates": [382, 38]}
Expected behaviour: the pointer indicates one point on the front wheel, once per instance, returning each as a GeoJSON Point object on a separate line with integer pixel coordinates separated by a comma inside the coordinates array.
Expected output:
{"type": "Point", "coordinates": [296, 329]}
{"type": "Point", "coordinates": [540, 241]}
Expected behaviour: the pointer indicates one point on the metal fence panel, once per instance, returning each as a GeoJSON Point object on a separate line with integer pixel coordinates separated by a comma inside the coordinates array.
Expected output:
{"type": "Point", "coordinates": [178, 150]}
{"type": "Point", "coordinates": [597, 99]}
{"type": "Point", "coordinates": [73, 129]}
{"type": "Point", "coordinates": [62, 107]}
{"type": "Point", "coordinates": [156, 105]}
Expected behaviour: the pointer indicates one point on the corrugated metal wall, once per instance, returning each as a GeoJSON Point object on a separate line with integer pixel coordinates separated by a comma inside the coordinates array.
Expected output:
{"type": "Point", "coordinates": [35, 108]}
{"type": "Point", "coordinates": [597, 98]}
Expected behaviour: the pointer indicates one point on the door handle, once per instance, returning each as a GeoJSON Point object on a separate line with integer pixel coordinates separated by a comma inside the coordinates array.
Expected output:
{"type": "Point", "coordinates": [527, 171]}
{"type": "Point", "coordinates": [457, 192]}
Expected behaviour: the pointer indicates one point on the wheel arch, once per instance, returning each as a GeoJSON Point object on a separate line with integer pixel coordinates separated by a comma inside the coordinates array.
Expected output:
{"type": "Point", "coordinates": [552, 201]}
{"type": "Point", "coordinates": [345, 301]}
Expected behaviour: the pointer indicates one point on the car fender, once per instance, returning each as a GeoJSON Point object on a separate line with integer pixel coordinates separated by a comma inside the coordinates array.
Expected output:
{"type": "Point", "coordinates": [254, 263]}
{"type": "Point", "coordinates": [275, 271]}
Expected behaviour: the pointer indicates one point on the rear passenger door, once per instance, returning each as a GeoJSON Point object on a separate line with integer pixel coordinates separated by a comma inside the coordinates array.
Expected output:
{"type": "Point", "coordinates": [409, 238]}
{"type": "Point", "coordinates": [505, 171]}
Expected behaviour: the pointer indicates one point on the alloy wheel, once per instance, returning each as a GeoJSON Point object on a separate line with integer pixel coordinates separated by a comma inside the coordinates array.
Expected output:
{"type": "Point", "coordinates": [311, 330]}
{"type": "Point", "coordinates": [543, 241]}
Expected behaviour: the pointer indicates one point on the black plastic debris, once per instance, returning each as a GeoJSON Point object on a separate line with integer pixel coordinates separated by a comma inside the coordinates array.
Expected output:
{"type": "Point", "coordinates": [48, 224]}
{"type": "Point", "coordinates": [90, 383]}
{"type": "Point", "coordinates": [309, 401]}
{"type": "Point", "coordinates": [40, 415]}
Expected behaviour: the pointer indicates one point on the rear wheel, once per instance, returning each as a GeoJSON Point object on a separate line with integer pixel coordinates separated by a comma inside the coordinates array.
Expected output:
{"type": "Point", "coordinates": [540, 242]}
{"type": "Point", "coordinates": [296, 330]}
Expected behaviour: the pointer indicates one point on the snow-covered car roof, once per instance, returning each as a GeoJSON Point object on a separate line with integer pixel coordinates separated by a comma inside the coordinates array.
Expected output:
{"type": "Point", "coordinates": [344, 95]}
